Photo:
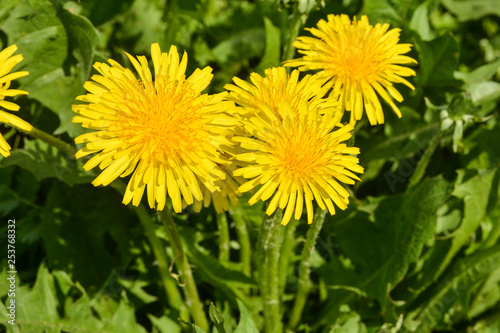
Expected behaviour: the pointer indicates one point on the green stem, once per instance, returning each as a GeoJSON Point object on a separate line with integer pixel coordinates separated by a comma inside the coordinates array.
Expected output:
{"type": "Point", "coordinates": [54, 142]}
{"type": "Point", "coordinates": [426, 158]}
{"type": "Point", "coordinates": [293, 32]}
{"type": "Point", "coordinates": [268, 252]}
{"type": "Point", "coordinates": [305, 268]}
{"type": "Point", "coordinates": [169, 284]}
{"type": "Point", "coordinates": [286, 253]}
{"type": "Point", "coordinates": [182, 264]}
{"type": "Point", "coordinates": [243, 237]}
{"type": "Point", "coordinates": [223, 237]}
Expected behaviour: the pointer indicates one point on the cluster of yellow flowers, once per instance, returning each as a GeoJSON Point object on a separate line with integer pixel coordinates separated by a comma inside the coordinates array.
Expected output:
{"type": "Point", "coordinates": [279, 136]}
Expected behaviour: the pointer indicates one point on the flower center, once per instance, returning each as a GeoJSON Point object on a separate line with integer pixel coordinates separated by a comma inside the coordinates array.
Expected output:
{"type": "Point", "coordinates": [161, 119]}
{"type": "Point", "coordinates": [299, 156]}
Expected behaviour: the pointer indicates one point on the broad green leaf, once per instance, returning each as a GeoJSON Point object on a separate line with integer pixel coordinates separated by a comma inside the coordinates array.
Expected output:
{"type": "Point", "coordinates": [247, 43]}
{"type": "Point", "coordinates": [420, 22]}
{"type": "Point", "coordinates": [216, 318]}
{"type": "Point", "coordinates": [136, 288]}
{"type": "Point", "coordinates": [43, 41]}
{"type": "Point", "coordinates": [484, 92]}
{"type": "Point", "coordinates": [272, 52]}
{"type": "Point", "coordinates": [380, 11]}
{"type": "Point", "coordinates": [40, 36]}
{"type": "Point", "coordinates": [82, 38]}
{"type": "Point", "coordinates": [246, 323]}
{"type": "Point", "coordinates": [123, 320]}
{"type": "Point", "coordinates": [76, 222]}
{"type": "Point", "coordinates": [37, 308]}
{"type": "Point", "coordinates": [473, 188]}
{"type": "Point", "coordinates": [165, 324]}
{"type": "Point", "coordinates": [454, 285]}
{"type": "Point", "coordinates": [487, 296]}
{"type": "Point", "coordinates": [438, 61]}
{"type": "Point", "coordinates": [481, 147]}
{"type": "Point", "coordinates": [467, 10]}
{"type": "Point", "coordinates": [480, 74]}
{"type": "Point", "coordinates": [403, 225]}
{"type": "Point", "coordinates": [44, 161]}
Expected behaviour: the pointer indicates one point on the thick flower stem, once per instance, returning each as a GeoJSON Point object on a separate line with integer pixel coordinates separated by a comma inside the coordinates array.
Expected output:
{"type": "Point", "coordinates": [305, 268]}
{"type": "Point", "coordinates": [182, 264]}
{"type": "Point", "coordinates": [268, 253]}
{"type": "Point", "coordinates": [286, 253]}
{"type": "Point", "coordinates": [223, 228]}
{"type": "Point", "coordinates": [243, 237]}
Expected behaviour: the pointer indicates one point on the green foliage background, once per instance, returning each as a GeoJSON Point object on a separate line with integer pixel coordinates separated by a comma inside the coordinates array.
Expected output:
{"type": "Point", "coordinates": [417, 250]}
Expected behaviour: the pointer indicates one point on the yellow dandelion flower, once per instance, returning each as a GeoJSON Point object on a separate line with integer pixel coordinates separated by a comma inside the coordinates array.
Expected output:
{"type": "Point", "coordinates": [160, 129]}
{"type": "Point", "coordinates": [7, 62]}
{"type": "Point", "coordinates": [360, 59]}
{"type": "Point", "coordinates": [296, 159]}
{"type": "Point", "coordinates": [278, 87]}
{"type": "Point", "coordinates": [228, 193]}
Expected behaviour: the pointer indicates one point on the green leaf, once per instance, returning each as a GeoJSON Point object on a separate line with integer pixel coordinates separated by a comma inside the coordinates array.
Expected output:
{"type": "Point", "coordinates": [420, 22]}
{"type": "Point", "coordinates": [165, 324]}
{"type": "Point", "coordinates": [473, 187]}
{"type": "Point", "coordinates": [403, 225]}
{"type": "Point", "coordinates": [82, 37]}
{"type": "Point", "coordinates": [246, 323]}
{"type": "Point", "coordinates": [380, 11]}
{"type": "Point", "coordinates": [438, 61]}
{"type": "Point", "coordinates": [272, 52]}
{"type": "Point", "coordinates": [44, 161]}
{"type": "Point", "coordinates": [123, 320]}
{"type": "Point", "coordinates": [217, 318]}
{"type": "Point", "coordinates": [37, 308]}
{"type": "Point", "coordinates": [467, 10]}
{"type": "Point", "coordinates": [75, 226]}
{"type": "Point", "coordinates": [456, 284]}
{"type": "Point", "coordinates": [243, 44]}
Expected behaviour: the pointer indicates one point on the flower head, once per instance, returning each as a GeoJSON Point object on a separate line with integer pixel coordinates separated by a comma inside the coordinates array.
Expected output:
{"type": "Point", "coordinates": [362, 61]}
{"type": "Point", "coordinates": [228, 192]}
{"type": "Point", "coordinates": [7, 62]}
{"type": "Point", "coordinates": [160, 129]}
{"type": "Point", "coordinates": [278, 87]}
{"type": "Point", "coordinates": [297, 158]}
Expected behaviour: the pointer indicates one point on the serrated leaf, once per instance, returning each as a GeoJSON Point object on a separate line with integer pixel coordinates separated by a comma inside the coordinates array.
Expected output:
{"type": "Point", "coordinates": [246, 323]}
{"type": "Point", "coordinates": [165, 324]}
{"type": "Point", "coordinates": [456, 284]}
{"type": "Point", "coordinates": [473, 188]}
{"type": "Point", "coordinates": [37, 308]}
{"type": "Point", "coordinates": [400, 235]}
{"type": "Point", "coordinates": [216, 318]}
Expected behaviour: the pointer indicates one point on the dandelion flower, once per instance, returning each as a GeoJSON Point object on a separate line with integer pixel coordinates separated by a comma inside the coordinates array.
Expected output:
{"type": "Point", "coordinates": [7, 62]}
{"type": "Point", "coordinates": [297, 158]}
{"type": "Point", "coordinates": [228, 193]}
{"type": "Point", "coordinates": [278, 87]}
{"type": "Point", "coordinates": [162, 130]}
{"type": "Point", "coordinates": [361, 60]}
